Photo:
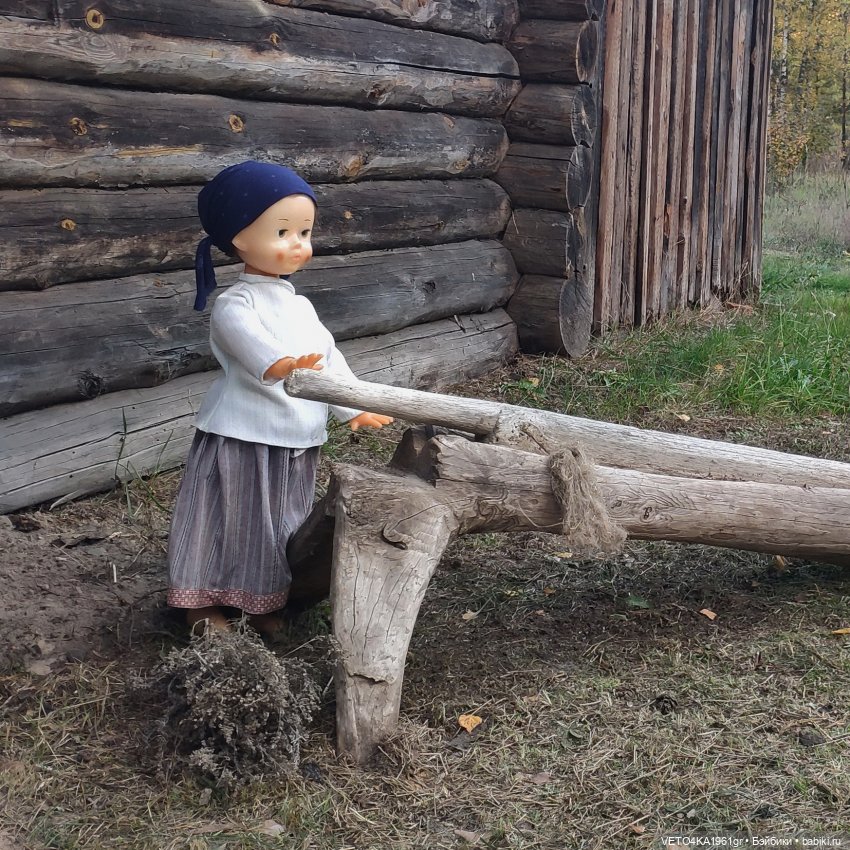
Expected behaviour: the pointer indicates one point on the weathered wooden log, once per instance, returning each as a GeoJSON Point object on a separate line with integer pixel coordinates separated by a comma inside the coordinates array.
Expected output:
{"type": "Point", "coordinates": [547, 177]}
{"type": "Point", "coordinates": [544, 242]}
{"type": "Point", "coordinates": [390, 535]}
{"type": "Point", "coordinates": [64, 135]}
{"type": "Point", "coordinates": [279, 54]}
{"type": "Point", "coordinates": [79, 341]}
{"type": "Point", "coordinates": [565, 10]}
{"type": "Point", "coordinates": [805, 522]}
{"type": "Point", "coordinates": [75, 449]}
{"type": "Point", "coordinates": [483, 20]}
{"type": "Point", "coordinates": [552, 315]}
{"type": "Point", "coordinates": [37, 10]}
{"type": "Point", "coordinates": [555, 51]}
{"type": "Point", "coordinates": [610, 444]}
{"type": "Point", "coordinates": [98, 234]}
{"type": "Point", "coordinates": [553, 114]}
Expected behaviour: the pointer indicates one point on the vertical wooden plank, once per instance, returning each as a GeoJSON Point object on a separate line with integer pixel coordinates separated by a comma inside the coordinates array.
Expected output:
{"type": "Point", "coordinates": [623, 133]}
{"type": "Point", "coordinates": [602, 305]}
{"type": "Point", "coordinates": [658, 170]}
{"type": "Point", "coordinates": [647, 186]}
{"type": "Point", "coordinates": [629, 301]}
{"type": "Point", "coordinates": [687, 179]}
{"type": "Point", "coordinates": [674, 163]}
{"type": "Point", "coordinates": [707, 247]}
{"type": "Point", "coordinates": [720, 150]}
{"type": "Point", "coordinates": [748, 92]}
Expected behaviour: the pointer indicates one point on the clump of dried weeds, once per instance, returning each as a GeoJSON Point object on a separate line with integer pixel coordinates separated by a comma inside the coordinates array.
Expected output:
{"type": "Point", "coordinates": [234, 712]}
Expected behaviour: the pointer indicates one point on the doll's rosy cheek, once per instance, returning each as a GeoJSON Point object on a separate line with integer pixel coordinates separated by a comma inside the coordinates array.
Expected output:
{"type": "Point", "coordinates": [280, 256]}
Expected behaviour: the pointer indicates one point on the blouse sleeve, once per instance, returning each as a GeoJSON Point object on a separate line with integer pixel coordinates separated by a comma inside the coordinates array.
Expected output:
{"type": "Point", "coordinates": [236, 328]}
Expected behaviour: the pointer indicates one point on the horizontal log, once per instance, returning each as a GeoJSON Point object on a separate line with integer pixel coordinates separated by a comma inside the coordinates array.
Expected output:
{"type": "Point", "coordinates": [552, 315]}
{"type": "Point", "coordinates": [610, 444]}
{"type": "Point", "coordinates": [97, 234]}
{"type": "Point", "coordinates": [548, 113]}
{"type": "Point", "coordinates": [38, 10]}
{"type": "Point", "coordinates": [66, 135]}
{"type": "Point", "coordinates": [70, 450]}
{"type": "Point", "coordinates": [555, 51]}
{"type": "Point", "coordinates": [808, 522]}
{"type": "Point", "coordinates": [483, 20]}
{"type": "Point", "coordinates": [79, 341]}
{"type": "Point", "coordinates": [564, 10]}
{"type": "Point", "coordinates": [547, 177]}
{"type": "Point", "coordinates": [315, 58]}
{"type": "Point", "coordinates": [544, 242]}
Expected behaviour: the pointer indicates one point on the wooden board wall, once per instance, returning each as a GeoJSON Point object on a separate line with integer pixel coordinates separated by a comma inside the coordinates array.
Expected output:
{"type": "Point", "coordinates": [114, 114]}
{"type": "Point", "coordinates": [682, 156]}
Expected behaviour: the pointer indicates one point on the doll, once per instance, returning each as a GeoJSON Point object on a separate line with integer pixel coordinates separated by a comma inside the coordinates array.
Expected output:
{"type": "Point", "coordinates": [251, 471]}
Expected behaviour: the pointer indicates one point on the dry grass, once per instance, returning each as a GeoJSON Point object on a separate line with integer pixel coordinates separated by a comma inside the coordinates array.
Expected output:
{"type": "Point", "coordinates": [614, 711]}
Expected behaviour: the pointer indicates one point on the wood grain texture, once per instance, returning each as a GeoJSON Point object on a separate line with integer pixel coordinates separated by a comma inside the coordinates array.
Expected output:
{"type": "Point", "coordinates": [555, 51]}
{"type": "Point", "coordinates": [547, 177]}
{"type": "Point", "coordinates": [544, 242]}
{"type": "Point", "coordinates": [99, 234]}
{"type": "Point", "coordinates": [565, 10]}
{"type": "Point", "coordinates": [70, 450]}
{"type": "Point", "coordinates": [80, 341]}
{"type": "Point", "coordinates": [483, 20]}
{"type": "Point", "coordinates": [549, 113]}
{"type": "Point", "coordinates": [64, 135]}
{"type": "Point", "coordinates": [292, 55]}
{"type": "Point", "coordinates": [621, 446]}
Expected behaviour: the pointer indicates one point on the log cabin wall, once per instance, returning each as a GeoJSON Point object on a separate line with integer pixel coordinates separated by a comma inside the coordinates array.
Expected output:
{"type": "Point", "coordinates": [550, 175]}
{"type": "Point", "coordinates": [115, 112]}
{"type": "Point", "coordinates": [682, 146]}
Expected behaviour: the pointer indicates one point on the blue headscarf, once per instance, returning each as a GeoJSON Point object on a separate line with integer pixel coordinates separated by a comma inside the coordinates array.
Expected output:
{"type": "Point", "coordinates": [232, 200]}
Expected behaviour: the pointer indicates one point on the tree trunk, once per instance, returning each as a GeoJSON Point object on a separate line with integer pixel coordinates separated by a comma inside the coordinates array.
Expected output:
{"type": "Point", "coordinates": [621, 446]}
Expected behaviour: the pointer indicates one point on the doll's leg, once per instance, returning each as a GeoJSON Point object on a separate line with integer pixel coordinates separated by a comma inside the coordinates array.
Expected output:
{"type": "Point", "coordinates": [214, 616]}
{"type": "Point", "coordinates": [267, 624]}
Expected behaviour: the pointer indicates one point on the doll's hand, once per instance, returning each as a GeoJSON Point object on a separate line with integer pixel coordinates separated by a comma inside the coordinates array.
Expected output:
{"type": "Point", "coordinates": [286, 365]}
{"type": "Point", "coordinates": [371, 420]}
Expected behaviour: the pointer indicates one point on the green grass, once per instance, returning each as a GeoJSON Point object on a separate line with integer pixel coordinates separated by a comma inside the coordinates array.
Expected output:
{"type": "Point", "coordinates": [788, 356]}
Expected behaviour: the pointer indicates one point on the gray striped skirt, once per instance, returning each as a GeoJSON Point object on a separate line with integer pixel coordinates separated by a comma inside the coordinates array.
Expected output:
{"type": "Point", "coordinates": [237, 507]}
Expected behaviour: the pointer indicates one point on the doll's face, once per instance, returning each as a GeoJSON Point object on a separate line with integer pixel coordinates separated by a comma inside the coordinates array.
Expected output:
{"type": "Point", "coordinates": [278, 242]}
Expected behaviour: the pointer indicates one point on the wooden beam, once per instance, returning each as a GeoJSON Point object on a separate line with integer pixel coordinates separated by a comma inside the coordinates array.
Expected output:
{"type": "Point", "coordinates": [82, 340]}
{"type": "Point", "coordinates": [565, 10]}
{"type": "Point", "coordinates": [547, 177]}
{"type": "Point", "coordinates": [65, 135]}
{"type": "Point", "coordinates": [484, 20]}
{"type": "Point", "coordinates": [98, 234]}
{"type": "Point", "coordinates": [71, 450]}
{"type": "Point", "coordinates": [543, 242]}
{"type": "Point", "coordinates": [610, 444]}
{"type": "Point", "coordinates": [255, 50]}
{"type": "Point", "coordinates": [549, 113]}
{"type": "Point", "coordinates": [555, 51]}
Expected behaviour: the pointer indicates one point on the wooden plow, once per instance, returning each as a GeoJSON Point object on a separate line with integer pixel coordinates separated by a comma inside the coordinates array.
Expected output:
{"type": "Point", "coordinates": [374, 541]}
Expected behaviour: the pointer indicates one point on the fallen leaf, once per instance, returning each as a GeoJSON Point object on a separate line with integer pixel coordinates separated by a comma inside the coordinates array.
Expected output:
{"type": "Point", "coordinates": [637, 829]}
{"type": "Point", "coordinates": [466, 835]}
{"type": "Point", "coordinates": [469, 615]}
{"type": "Point", "coordinates": [535, 382]}
{"type": "Point", "coordinates": [38, 668]}
{"type": "Point", "coordinates": [469, 722]}
{"type": "Point", "coordinates": [707, 612]}
{"type": "Point", "coordinates": [841, 632]}
{"type": "Point", "coordinates": [271, 827]}
{"type": "Point", "coordinates": [541, 778]}
{"type": "Point", "coordinates": [780, 563]}
{"type": "Point", "coordinates": [563, 554]}
{"type": "Point", "coordinates": [637, 601]}
{"type": "Point", "coordinates": [682, 416]}
{"type": "Point", "coordinates": [719, 367]}
{"type": "Point", "coordinates": [549, 591]}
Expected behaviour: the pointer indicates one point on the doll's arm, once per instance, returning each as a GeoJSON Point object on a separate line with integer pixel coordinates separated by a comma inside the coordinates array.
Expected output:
{"type": "Point", "coordinates": [280, 370]}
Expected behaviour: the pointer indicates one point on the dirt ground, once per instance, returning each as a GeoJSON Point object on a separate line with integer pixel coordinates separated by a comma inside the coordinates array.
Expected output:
{"type": "Point", "coordinates": [613, 708]}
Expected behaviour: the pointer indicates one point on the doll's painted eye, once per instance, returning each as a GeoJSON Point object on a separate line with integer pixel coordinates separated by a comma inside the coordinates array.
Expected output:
{"type": "Point", "coordinates": [305, 233]}
{"type": "Point", "coordinates": [281, 233]}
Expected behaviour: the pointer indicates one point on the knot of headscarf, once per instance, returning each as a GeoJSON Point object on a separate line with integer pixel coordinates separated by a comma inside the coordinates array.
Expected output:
{"type": "Point", "coordinates": [232, 200]}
